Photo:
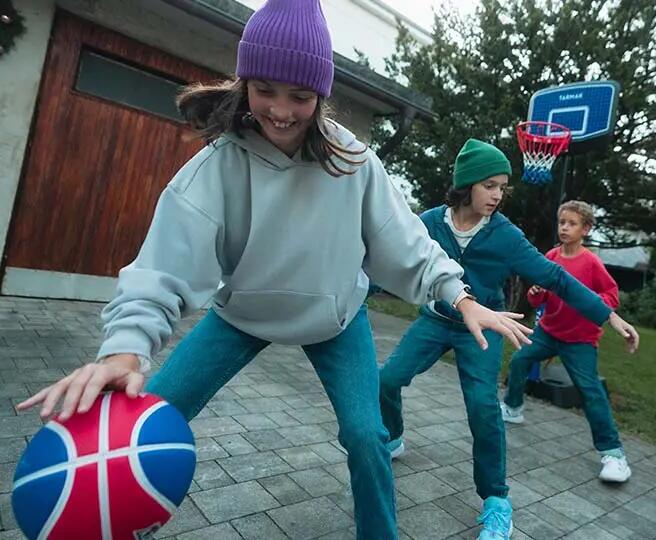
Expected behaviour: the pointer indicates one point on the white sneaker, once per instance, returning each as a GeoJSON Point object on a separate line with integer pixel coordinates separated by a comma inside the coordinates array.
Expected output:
{"type": "Point", "coordinates": [396, 447]}
{"type": "Point", "coordinates": [614, 469]}
{"type": "Point", "coordinates": [512, 415]}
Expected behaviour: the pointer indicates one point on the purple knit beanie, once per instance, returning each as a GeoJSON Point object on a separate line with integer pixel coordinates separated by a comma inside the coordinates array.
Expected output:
{"type": "Point", "coordinates": [288, 41]}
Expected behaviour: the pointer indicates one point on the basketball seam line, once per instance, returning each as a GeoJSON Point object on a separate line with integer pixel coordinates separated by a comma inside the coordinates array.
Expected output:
{"type": "Point", "coordinates": [103, 476]}
{"type": "Point", "coordinates": [137, 469]}
{"type": "Point", "coordinates": [94, 458]}
{"type": "Point", "coordinates": [60, 505]}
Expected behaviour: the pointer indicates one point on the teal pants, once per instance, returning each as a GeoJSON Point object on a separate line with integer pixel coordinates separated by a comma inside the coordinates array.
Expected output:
{"type": "Point", "coordinates": [580, 360]}
{"type": "Point", "coordinates": [427, 339]}
{"type": "Point", "coordinates": [214, 352]}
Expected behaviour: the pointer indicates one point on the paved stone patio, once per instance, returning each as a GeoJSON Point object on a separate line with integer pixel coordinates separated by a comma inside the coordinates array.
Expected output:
{"type": "Point", "coordinates": [270, 466]}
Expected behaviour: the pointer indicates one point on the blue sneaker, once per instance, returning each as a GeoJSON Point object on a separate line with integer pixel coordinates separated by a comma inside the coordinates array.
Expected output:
{"type": "Point", "coordinates": [496, 518]}
{"type": "Point", "coordinates": [396, 447]}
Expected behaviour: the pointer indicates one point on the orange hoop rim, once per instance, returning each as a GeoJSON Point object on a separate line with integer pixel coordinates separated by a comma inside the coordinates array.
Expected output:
{"type": "Point", "coordinates": [555, 143]}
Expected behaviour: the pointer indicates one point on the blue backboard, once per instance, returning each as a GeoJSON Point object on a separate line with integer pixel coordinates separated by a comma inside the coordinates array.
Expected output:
{"type": "Point", "coordinates": [589, 109]}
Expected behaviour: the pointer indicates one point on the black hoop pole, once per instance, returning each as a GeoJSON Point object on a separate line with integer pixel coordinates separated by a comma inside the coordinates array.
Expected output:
{"type": "Point", "coordinates": [561, 191]}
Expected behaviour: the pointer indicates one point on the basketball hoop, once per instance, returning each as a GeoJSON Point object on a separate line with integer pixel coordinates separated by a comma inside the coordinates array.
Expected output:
{"type": "Point", "coordinates": [541, 143]}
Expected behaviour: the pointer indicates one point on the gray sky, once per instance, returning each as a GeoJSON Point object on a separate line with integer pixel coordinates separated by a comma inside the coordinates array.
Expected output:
{"type": "Point", "coordinates": [420, 10]}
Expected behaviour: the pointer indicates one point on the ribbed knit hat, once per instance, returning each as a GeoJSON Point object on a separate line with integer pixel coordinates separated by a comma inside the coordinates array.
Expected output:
{"type": "Point", "coordinates": [288, 41]}
{"type": "Point", "coordinates": [478, 160]}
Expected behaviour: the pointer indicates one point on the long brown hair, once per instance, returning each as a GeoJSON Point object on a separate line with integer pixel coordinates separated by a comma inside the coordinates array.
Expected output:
{"type": "Point", "coordinates": [214, 109]}
{"type": "Point", "coordinates": [455, 198]}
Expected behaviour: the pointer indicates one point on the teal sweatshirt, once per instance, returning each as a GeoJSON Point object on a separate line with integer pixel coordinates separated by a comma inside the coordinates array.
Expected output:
{"type": "Point", "coordinates": [283, 248]}
{"type": "Point", "coordinates": [500, 250]}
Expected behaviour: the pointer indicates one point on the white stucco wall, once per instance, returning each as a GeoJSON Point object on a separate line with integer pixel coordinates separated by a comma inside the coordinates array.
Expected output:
{"type": "Point", "coordinates": [20, 75]}
{"type": "Point", "coordinates": [361, 24]}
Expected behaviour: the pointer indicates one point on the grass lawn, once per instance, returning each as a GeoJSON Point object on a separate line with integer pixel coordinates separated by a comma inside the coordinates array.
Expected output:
{"type": "Point", "coordinates": [631, 378]}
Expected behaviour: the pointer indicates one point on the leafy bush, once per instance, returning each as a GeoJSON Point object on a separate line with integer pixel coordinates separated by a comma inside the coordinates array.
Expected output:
{"type": "Point", "coordinates": [639, 307]}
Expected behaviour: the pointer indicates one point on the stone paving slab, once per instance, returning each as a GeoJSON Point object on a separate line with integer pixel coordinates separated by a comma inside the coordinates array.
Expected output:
{"type": "Point", "coordinates": [270, 467]}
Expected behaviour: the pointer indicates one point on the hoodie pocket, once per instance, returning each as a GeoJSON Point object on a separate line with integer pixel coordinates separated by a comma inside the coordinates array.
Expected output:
{"type": "Point", "coordinates": [284, 316]}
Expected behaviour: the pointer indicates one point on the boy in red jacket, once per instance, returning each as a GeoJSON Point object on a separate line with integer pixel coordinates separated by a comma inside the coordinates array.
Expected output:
{"type": "Point", "coordinates": [563, 332]}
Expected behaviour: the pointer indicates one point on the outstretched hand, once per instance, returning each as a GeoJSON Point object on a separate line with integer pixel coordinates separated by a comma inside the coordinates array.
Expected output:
{"type": "Point", "coordinates": [81, 388]}
{"type": "Point", "coordinates": [625, 330]}
{"type": "Point", "coordinates": [479, 318]}
{"type": "Point", "coordinates": [535, 289]}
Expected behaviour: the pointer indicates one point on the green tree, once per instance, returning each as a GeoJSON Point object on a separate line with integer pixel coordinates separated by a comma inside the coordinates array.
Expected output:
{"type": "Point", "coordinates": [481, 72]}
{"type": "Point", "coordinates": [11, 25]}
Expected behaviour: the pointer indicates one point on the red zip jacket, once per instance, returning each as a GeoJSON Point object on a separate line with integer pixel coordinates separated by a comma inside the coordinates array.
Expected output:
{"type": "Point", "coordinates": [561, 321]}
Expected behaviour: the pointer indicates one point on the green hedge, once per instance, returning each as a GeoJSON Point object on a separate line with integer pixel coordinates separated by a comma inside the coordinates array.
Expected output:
{"type": "Point", "coordinates": [639, 307]}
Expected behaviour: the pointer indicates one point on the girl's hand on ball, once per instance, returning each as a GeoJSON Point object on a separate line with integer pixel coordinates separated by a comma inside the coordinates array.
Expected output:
{"type": "Point", "coordinates": [81, 388]}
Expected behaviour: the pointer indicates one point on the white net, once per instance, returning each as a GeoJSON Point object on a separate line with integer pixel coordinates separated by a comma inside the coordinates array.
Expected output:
{"type": "Point", "coordinates": [537, 167]}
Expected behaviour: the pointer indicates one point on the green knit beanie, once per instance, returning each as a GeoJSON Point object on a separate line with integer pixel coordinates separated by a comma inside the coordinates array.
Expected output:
{"type": "Point", "coordinates": [477, 161]}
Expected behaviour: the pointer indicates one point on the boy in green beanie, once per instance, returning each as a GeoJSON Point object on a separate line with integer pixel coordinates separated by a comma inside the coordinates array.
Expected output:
{"type": "Point", "coordinates": [490, 249]}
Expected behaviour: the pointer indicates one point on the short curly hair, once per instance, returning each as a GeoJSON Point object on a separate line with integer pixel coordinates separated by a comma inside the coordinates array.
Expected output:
{"type": "Point", "coordinates": [581, 208]}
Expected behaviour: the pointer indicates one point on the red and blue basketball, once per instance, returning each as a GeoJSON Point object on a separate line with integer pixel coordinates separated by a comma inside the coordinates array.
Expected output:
{"type": "Point", "coordinates": [116, 472]}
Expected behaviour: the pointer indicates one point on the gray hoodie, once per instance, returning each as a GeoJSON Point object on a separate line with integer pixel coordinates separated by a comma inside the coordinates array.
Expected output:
{"type": "Point", "coordinates": [283, 248]}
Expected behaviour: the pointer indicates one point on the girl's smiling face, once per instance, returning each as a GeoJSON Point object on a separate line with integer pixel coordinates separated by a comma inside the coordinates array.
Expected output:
{"type": "Point", "coordinates": [283, 111]}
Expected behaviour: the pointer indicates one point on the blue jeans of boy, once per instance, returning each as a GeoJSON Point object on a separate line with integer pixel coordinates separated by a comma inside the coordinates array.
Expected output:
{"type": "Point", "coordinates": [427, 339]}
{"type": "Point", "coordinates": [580, 361]}
{"type": "Point", "coordinates": [214, 352]}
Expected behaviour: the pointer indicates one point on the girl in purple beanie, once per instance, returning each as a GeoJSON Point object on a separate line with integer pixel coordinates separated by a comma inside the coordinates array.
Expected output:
{"type": "Point", "coordinates": [278, 221]}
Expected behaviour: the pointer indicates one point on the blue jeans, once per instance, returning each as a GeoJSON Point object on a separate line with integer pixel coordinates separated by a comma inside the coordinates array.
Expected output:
{"type": "Point", "coordinates": [427, 339]}
{"type": "Point", "coordinates": [214, 352]}
{"type": "Point", "coordinates": [580, 361]}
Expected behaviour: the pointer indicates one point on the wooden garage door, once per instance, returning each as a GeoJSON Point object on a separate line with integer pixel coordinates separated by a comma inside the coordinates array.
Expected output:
{"type": "Point", "coordinates": [106, 140]}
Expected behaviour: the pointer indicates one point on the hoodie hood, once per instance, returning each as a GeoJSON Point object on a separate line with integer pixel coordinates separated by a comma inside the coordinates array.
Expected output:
{"type": "Point", "coordinates": [257, 145]}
